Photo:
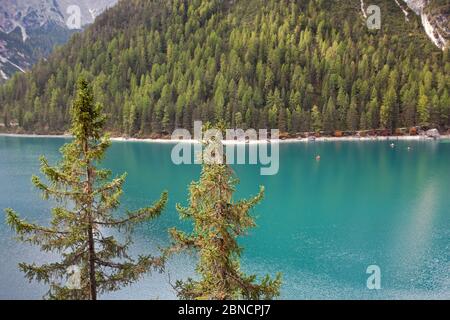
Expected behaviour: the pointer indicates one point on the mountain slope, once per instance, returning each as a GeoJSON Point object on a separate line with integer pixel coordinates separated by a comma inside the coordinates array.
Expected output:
{"type": "Point", "coordinates": [29, 29]}
{"type": "Point", "coordinates": [296, 65]}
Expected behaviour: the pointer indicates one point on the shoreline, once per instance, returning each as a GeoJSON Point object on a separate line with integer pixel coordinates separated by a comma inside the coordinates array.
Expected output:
{"type": "Point", "coordinates": [225, 142]}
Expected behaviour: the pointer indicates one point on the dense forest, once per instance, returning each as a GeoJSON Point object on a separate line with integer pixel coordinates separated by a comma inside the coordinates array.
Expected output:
{"type": "Point", "coordinates": [299, 66]}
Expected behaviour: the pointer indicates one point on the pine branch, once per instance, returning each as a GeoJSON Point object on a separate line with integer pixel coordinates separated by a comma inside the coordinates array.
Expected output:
{"type": "Point", "coordinates": [22, 227]}
{"type": "Point", "coordinates": [138, 216]}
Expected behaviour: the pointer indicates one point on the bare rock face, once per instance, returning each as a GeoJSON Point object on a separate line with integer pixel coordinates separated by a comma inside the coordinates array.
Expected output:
{"type": "Point", "coordinates": [417, 5]}
{"type": "Point", "coordinates": [30, 28]}
{"type": "Point", "coordinates": [27, 15]}
{"type": "Point", "coordinates": [435, 19]}
{"type": "Point", "coordinates": [32, 14]}
{"type": "Point", "coordinates": [433, 133]}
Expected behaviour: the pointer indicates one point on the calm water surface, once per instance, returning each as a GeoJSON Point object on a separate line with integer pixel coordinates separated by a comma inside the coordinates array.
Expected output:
{"type": "Point", "coordinates": [321, 223]}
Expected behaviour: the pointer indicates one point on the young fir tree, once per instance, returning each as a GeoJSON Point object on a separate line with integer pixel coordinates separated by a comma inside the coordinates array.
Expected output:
{"type": "Point", "coordinates": [218, 222]}
{"type": "Point", "coordinates": [81, 225]}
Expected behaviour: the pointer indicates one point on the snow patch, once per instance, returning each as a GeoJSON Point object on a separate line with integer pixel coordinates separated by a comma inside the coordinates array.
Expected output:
{"type": "Point", "coordinates": [4, 76]}
{"type": "Point", "coordinates": [405, 12]}
{"type": "Point", "coordinates": [93, 13]}
{"type": "Point", "coordinates": [23, 31]}
{"type": "Point", "coordinates": [5, 60]}
{"type": "Point", "coordinates": [363, 9]}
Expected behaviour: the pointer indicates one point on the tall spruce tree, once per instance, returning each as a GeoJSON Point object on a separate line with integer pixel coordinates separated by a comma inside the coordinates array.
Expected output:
{"type": "Point", "coordinates": [82, 224]}
{"type": "Point", "coordinates": [218, 222]}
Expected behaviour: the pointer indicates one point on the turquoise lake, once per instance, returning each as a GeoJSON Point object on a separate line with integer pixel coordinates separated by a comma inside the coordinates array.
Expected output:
{"type": "Point", "coordinates": [321, 223]}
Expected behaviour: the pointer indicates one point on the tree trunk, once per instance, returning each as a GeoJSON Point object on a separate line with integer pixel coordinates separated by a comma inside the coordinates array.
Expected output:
{"type": "Point", "coordinates": [92, 280]}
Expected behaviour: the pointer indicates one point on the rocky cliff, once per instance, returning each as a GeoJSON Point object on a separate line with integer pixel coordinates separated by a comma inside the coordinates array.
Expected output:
{"type": "Point", "coordinates": [435, 19]}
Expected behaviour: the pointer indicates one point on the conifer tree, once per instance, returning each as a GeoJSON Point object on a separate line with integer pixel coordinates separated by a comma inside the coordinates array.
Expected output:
{"type": "Point", "coordinates": [329, 116]}
{"type": "Point", "coordinates": [218, 222]}
{"type": "Point", "coordinates": [445, 108]}
{"type": "Point", "coordinates": [82, 223]}
{"type": "Point", "coordinates": [352, 117]}
{"type": "Point", "coordinates": [423, 109]}
{"type": "Point", "coordinates": [387, 109]}
{"type": "Point", "coordinates": [316, 119]}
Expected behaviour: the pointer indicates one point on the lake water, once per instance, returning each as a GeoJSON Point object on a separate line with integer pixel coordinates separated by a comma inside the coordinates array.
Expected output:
{"type": "Point", "coordinates": [321, 223]}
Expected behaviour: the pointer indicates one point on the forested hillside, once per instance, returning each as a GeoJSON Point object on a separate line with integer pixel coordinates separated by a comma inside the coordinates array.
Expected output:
{"type": "Point", "coordinates": [298, 66]}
